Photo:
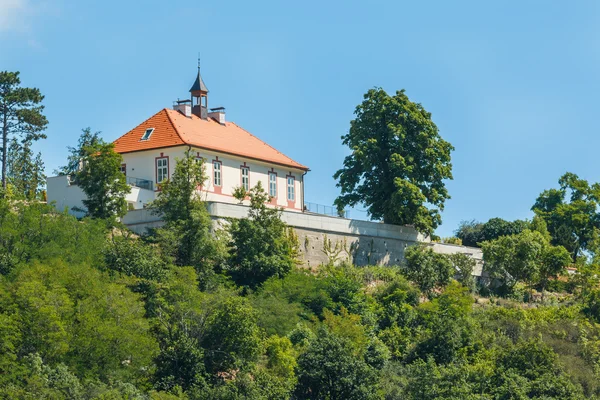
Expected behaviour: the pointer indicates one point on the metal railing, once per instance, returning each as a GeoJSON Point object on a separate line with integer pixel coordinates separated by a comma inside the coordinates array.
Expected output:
{"type": "Point", "coordinates": [141, 183]}
{"type": "Point", "coordinates": [325, 210]}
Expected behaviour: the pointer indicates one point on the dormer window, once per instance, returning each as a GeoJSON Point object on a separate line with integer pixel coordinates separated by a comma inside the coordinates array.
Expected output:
{"type": "Point", "coordinates": [147, 133]}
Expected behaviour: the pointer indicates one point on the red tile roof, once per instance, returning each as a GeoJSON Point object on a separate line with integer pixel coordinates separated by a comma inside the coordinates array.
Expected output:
{"type": "Point", "coordinates": [171, 128]}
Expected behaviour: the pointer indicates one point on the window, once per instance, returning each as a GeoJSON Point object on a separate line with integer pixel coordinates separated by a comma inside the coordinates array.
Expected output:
{"type": "Point", "coordinates": [272, 184]}
{"type": "Point", "coordinates": [245, 178]}
{"type": "Point", "coordinates": [290, 188]}
{"type": "Point", "coordinates": [124, 169]}
{"type": "Point", "coordinates": [217, 173]}
{"type": "Point", "coordinates": [147, 133]}
{"type": "Point", "coordinates": [162, 169]}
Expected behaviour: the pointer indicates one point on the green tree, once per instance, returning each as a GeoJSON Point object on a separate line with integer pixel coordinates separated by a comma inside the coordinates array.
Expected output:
{"type": "Point", "coordinates": [20, 115]}
{"type": "Point", "coordinates": [187, 234]}
{"type": "Point", "coordinates": [103, 182]}
{"type": "Point", "coordinates": [447, 325]}
{"type": "Point", "coordinates": [398, 162]}
{"type": "Point", "coordinates": [472, 233]}
{"type": "Point", "coordinates": [330, 369]}
{"type": "Point", "coordinates": [77, 154]}
{"type": "Point", "coordinates": [261, 245]}
{"type": "Point", "coordinates": [427, 269]}
{"type": "Point", "coordinates": [131, 256]}
{"type": "Point", "coordinates": [232, 339]}
{"type": "Point", "coordinates": [526, 257]}
{"type": "Point", "coordinates": [571, 214]}
{"type": "Point", "coordinates": [25, 171]}
{"type": "Point", "coordinates": [464, 266]}
{"type": "Point", "coordinates": [514, 258]}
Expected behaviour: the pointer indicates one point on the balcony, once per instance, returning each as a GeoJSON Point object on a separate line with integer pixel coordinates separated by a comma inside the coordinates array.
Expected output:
{"type": "Point", "coordinates": [141, 183]}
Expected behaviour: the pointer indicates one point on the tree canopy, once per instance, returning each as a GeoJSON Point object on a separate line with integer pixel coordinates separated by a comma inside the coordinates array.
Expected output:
{"type": "Point", "coordinates": [571, 214]}
{"type": "Point", "coordinates": [102, 181]}
{"type": "Point", "coordinates": [21, 115]}
{"type": "Point", "coordinates": [473, 233]}
{"type": "Point", "coordinates": [261, 245]}
{"type": "Point", "coordinates": [398, 162]}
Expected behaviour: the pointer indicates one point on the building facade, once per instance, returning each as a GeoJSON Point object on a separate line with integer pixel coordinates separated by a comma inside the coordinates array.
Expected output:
{"type": "Point", "coordinates": [232, 157]}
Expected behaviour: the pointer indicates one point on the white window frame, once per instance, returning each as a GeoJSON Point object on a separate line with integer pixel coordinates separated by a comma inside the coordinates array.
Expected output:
{"type": "Point", "coordinates": [217, 173]}
{"type": "Point", "coordinates": [291, 188]}
{"type": "Point", "coordinates": [147, 134]}
{"type": "Point", "coordinates": [273, 184]}
{"type": "Point", "coordinates": [245, 177]}
{"type": "Point", "coordinates": [162, 169]}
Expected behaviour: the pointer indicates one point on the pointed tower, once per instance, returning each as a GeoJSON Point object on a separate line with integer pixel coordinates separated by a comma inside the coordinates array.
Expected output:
{"type": "Point", "coordinates": [199, 92]}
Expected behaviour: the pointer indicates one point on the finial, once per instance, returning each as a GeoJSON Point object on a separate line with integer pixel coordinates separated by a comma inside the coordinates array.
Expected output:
{"type": "Point", "coordinates": [198, 61]}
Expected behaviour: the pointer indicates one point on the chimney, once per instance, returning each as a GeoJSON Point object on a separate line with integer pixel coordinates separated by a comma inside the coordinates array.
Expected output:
{"type": "Point", "coordinates": [184, 107]}
{"type": "Point", "coordinates": [218, 114]}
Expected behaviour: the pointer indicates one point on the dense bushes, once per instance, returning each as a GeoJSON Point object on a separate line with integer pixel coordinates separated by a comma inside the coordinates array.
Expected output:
{"type": "Point", "coordinates": [91, 311]}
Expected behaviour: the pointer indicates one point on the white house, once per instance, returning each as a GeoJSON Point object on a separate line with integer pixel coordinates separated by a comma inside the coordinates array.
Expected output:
{"type": "Point", "coordinates": [233, 157]}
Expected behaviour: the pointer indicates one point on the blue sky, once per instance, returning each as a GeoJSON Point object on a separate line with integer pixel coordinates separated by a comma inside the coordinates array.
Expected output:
{"type": "Point", "coordinates": [513, 85]}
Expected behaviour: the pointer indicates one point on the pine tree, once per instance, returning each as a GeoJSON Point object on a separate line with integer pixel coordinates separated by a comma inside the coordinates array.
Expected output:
{"type": "Point", "coordinates": [25, 171]}
{"type": "Point", "coordinates": [20, 115]}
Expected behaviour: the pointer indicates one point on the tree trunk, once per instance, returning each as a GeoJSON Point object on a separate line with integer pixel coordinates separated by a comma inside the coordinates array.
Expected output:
{"type": "Point", "coordinates": [4, 144]}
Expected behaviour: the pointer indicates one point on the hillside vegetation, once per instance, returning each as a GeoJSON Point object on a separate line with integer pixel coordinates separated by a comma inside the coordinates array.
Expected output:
{"type": "Point", "coordinates": [89, 311]}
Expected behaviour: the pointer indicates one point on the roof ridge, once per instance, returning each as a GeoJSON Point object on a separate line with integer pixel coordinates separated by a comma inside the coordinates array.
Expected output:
{"type": "Point", "coordinates": [267, 144]}
{"type": "Point", "coordinates": [173, 124]}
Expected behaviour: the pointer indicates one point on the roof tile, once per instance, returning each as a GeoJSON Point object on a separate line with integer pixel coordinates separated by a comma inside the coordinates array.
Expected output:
{"type": "Point", "coordinates": [171, 128]}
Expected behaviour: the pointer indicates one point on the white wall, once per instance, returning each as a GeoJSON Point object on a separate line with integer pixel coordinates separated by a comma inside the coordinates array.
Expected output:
{"type": "Point", "coordinates": [66, 195]}
{"type": "Point", "coordinates": [363, 242]}
{"type": "Point", "coordinates": [142, 165]}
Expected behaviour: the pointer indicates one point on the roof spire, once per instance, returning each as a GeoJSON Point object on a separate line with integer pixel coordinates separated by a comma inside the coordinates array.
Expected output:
{"type": "Point", "coordinates": [199, 92]}
{"type": "Point", "coordinates": [199, 85]}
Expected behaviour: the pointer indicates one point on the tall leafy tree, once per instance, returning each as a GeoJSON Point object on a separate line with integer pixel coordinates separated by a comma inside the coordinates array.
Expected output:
{"type": "Point", "coordinates": [571, 214]}
{"type": "Point", "coordinates": [261, 245]}
{"type": "Point", "coordinates": [427, 269]}
{"type": "Point", "coordinates": [186, 235]}
{"type": "Point", "coordinates": [21, 114]}
{"type": "Point", "coordinates": [398, 162]}
{"type": "Point", "coordinates": [103, 182]}
{"type": "Point", "coordinates": [330, 369]}
{"type": "Point", "coordinates": [76, 154]}
{"type": "Point", "coordinates": [526, 257]}
{"type": "Point", "coordinates": [25, 171]}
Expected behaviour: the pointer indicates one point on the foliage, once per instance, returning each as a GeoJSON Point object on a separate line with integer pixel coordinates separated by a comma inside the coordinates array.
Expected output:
{"type": "Point", "coordinates": [452, 240]}
{"type": "Point", "coordinates": [77, 154]}
{"type": "Point", "coordinates": [131, 256]}
{"type": "Point", "coordinates": [186, 236]}
{"type": "Point", "coordinates": [261, 245]}
{"type": "Point", "coordinates": [88, 313]}
{"type": "Point", "coordinates": [398, 163]}
{"type": "Point", "coordinates": [472, 233]}
{"type": "Point", "coordinates": [37, 232]}
{"type": "Point", "coordinates": [571, 214]}
{"type": "Point", "coordinates": [429, 270]}
{"type": "Point", "coordinates": [464, 266]}
{"type": "Point", "coordinates": [25, 172]}
{"type": "Point", "coordinates": [330, 369]}
{"type": "Point", "coordinates": [103, 183]}
{"type": "Point", "coordinates": [526, 257]}
{"type": "Point", "coordinates": [232, 340]}
{"type": "Point", "coordinates": [21, 115]}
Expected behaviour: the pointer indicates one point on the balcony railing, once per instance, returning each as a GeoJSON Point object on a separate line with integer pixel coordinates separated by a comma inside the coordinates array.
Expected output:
{"type": "Point", "coordinates": [141, 183]}
{"type": "Point", "coordinates": [325, 210]}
